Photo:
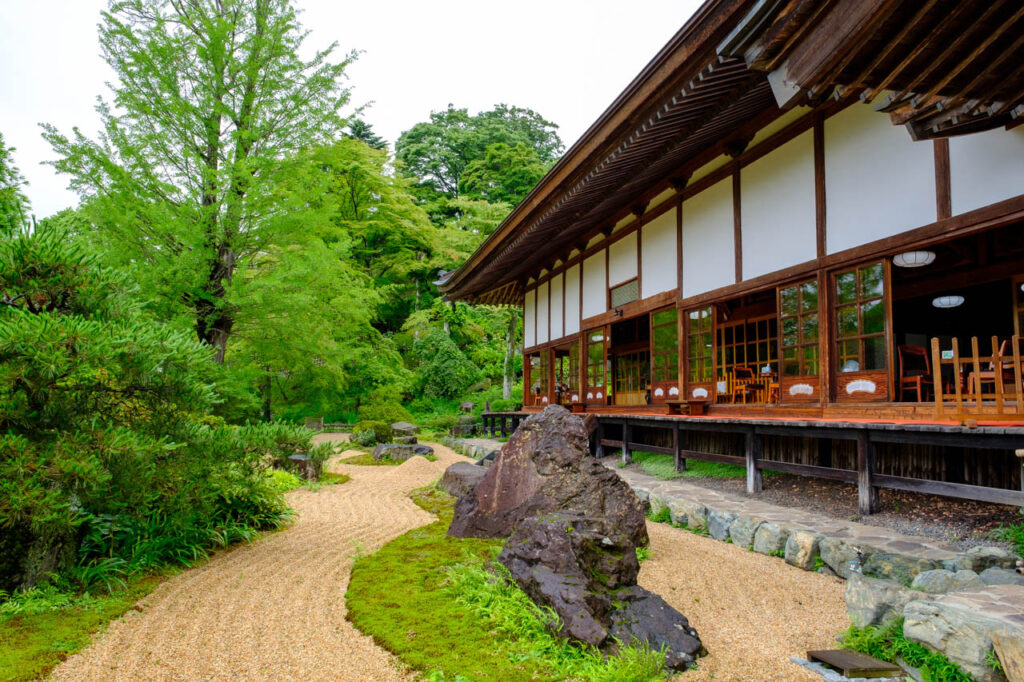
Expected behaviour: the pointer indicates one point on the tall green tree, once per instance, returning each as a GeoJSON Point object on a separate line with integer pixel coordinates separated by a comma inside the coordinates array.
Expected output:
{"type": "Point", "coordinates": [438, 151]}
{"type": "Point", "coordinates": [14, 206]}
{"type": "Point", "coordinates": [211, 96]}
{"type": "Point", "coordinates": [505, 174]}
{"type": "Point", "coordinates": [358, 129]}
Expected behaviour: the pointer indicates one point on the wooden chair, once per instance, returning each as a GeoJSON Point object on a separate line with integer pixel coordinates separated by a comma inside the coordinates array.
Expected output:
{"type": "Point", "coordinates": [744, 383]}
{"type": "Point", "coordinates": [915, 371]}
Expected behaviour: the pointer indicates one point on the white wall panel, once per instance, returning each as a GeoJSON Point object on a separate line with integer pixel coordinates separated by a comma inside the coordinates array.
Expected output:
{"type": "Point", "coordinates": [777, 208]}
{"type": "Point", "coordinates": [659, 257]}
{"type": "Point", "coordinates": [572, 300]}
{"type": "Point", "coordinates": [542, 313]}
{"type": "Point", "coordinates": [556, 307]}
{"type": "Point", "coordinates": [529, 320]}
{"type": "Point", "coordinates": [878, 182]}
{"type": "Point", "coordinates": [595, 285]}
{"type": "Point", "coordinates": [985, 168]}
{"type": "Point", "coordinates": [709, 259]}
{"type": "Point", "coordinates": [622, 260]}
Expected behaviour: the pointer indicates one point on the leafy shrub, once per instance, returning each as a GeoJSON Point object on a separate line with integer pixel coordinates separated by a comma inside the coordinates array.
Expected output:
{"type": "Point", "coordinates": [1014, 534]}
{"type": "Point", "coordinates": [282, 481]}
{"type": "Point", "coordinates": [371, 432]}
{"type": "Point", "coordinates": [444, 370]}
{"type": "Point", "coordinates": [441, 422]}
{"type": "Point", "coordinates": [388, 412]}
{"type": "Point", "coordinates": [501, 405]}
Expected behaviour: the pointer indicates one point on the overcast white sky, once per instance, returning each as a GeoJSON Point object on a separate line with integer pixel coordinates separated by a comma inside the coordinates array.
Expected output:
{"type": "Point", "coordinates": [566, 59]}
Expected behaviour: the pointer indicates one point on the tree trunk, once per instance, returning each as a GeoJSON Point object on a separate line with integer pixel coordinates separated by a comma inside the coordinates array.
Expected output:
{"type": "Point", "coordinates": [510, 353]}
{"type": "Point", "coordinates": [267, 388]}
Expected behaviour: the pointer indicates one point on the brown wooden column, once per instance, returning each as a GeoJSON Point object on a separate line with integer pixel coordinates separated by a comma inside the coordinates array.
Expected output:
{"type": "Point", "coordinates": [867, 494]}
{"type": "Point", "coordinates": [627, 453]}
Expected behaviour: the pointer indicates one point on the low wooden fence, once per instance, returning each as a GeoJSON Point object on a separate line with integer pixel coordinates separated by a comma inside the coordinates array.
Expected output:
{"type": "Point", "coordinates": [977, 385]}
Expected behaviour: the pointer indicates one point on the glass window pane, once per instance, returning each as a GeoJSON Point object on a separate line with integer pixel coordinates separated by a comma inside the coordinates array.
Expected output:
{"type": "Point", "coordinates": [874, 352]}
{"type": "Point", "coordinates": [790, 367]}
{"type": "Point", "coordinates": [809, 361]}
{"type": "Point", "coordinates": [871, 281]}
{"type": "Point", "coordinates": [873, 315]}
{"type": "Point", "coordinates": [707, 343]}
{"type": "Point", "coordinates": [846, 287]}
{"type": "Point", "coordinates": [847, 316]}
{"type": "Point", "coordinates": [665, 317]}
{"type": "Point", "coordinates": [809, 296]}
{"type": "Point", "coordinates": [789, 300]}
{"type": "Point", "coordinates": [665, 338]}
{"type": "Point", "coordinates": [695, 350]}
{"type": "Point", "coordinates": [849, 356]}
{"type": "Point", "coordinates": [789, 328]}
{"type": "Point", "coordinates": [810, 328]}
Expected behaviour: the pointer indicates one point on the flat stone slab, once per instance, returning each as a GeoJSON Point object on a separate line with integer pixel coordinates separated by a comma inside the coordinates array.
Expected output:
{"type": "Point", "coordinates": [477, 448]}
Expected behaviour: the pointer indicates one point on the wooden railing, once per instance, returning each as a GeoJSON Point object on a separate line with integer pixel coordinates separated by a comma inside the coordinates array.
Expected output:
{"type": "Point", "coordinates": [985, 386]}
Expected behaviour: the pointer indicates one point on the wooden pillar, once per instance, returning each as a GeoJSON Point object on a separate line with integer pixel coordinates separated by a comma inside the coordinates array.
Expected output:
{"type": "Point", "coordinates": [598, 437]}
{"type": "Point", "coordinates": [627, 454]}
{"type": "Point", "coordinates": [753, 457]}
{"type": "Point", "coordinates": [867, 494]}
{"type": "Point", "coordinates": [675, 445]}
{"type": "Point", "coordinates": [683, 443]}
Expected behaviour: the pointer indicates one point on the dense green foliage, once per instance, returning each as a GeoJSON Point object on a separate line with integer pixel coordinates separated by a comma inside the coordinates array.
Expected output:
{"type": "Point", "coordinates": [438, 603]}
{"type": "Point", "coordinates": [14, 207]}
{"type": "Point", "coordinates": [888, 644]}
{"type": "Point", "coordinates": [1014, 534]}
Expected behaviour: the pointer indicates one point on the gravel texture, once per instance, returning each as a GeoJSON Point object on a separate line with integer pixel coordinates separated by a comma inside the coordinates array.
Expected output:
{"type": "Point", "coordinates": [752, 612]}
{"type": "Point", "coordinates": [964, 523]}
{"type": "Point", "coordinates": [275, 609]}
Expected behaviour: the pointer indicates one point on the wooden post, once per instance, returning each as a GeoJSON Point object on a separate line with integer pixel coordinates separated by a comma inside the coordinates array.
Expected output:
{"type": "Point", "coordinates": [598, 437]}
{"type": "Point", "coordinates": [627, 454]}
{"type": "Point", "coordinates": [1020, 458]}
{"type": "Point", "coordinates": [753, 455]}
{"type": "Point", "coordinates": [683, 440]}
{"type": "Point", "coordinates": [675, 445]}
{"type": "Point", "coordinates": [867, 494]}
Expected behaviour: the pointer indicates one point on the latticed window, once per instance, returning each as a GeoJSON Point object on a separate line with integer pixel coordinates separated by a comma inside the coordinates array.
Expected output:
{"type": "Point", "coordinates": [595, 359]}
{"type": "Point", "coordinates": [860, 318]}
{"type": "Point", "coordinates": [700, 361]}
{"type": "Point", "coordinates": [630, 372]}
{"type": "Point", "coordinates": [798, 314]}
{"type": "Point", "coordinates": [665, 345]}
{"type": "Point", "coordinates": [625, 293]}
{"type": "Point", "coordinates": [748, 343]}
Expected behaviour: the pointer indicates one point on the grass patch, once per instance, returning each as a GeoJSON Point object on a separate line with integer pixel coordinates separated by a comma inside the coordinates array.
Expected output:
{"type": "Point", "coordinates": [446, 608]}
{"type": "Point", "coordinates": [367, 460]}
{"type": "Point", "coordinates": [1014, 534]}
{"type": "Point", "coordinates": [42, 627]}
{"type": "Point", "coordinates": [663, 467]}
{"type": "Point", "coordinates": [888, 644]}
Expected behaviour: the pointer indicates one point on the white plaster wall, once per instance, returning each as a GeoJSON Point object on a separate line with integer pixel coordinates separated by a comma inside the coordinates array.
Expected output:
{"type": "Point", "coordinates": [777, 208]}
{"type": "Point", "coordinates": [709, 261]}
{"type": "Point", "coordinates": [985, 168]}
{"type": "Point", "coordinates": [659, 258]}
{"type": "Point", "coordinates": [572, 300]}
{"type": "Point", "coordinates": [542, 313]}
{"type": "Point", "coordinates": [556, 307]}
{"type": "Point", "coordinates": [595, 285]}
{"type": "Point", "coordinates": [529, 327]}
{"type": "Point", "coordinates": [878, 182]}
{"type": "Point", "coordinates": [622, 260]}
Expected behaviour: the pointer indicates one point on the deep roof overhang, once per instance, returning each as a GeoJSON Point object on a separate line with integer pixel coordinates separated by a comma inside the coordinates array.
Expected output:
{"type": "Point", "coordinates": [733, 68]}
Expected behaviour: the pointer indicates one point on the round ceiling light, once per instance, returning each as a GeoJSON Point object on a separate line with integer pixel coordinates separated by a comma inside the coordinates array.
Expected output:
{"type": "Point", "coordinates": [947, 301]}
{"type": "Point", "coordinates": [913, 259]}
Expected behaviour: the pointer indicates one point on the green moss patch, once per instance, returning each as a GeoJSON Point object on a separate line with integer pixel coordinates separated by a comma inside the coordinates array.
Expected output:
{"type": "Point", "coordinates": [663, 467]}
{"type": "Point", "coordinates": [42, 628]}
{"type": "Point", "coordinates": [888, 644]}
{"type": "Point", "coordinates": [367, 460]}
{"type": "Point", "coordinates": [445, 607]}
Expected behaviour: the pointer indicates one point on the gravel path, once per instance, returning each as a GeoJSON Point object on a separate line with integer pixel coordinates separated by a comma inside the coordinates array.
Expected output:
{"type": "Point", "coordinates": [752, 611]}
{"type": "Point", "coordinates": [273, 610]}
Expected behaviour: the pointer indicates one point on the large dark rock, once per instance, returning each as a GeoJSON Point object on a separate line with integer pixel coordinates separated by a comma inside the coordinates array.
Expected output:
{"type": "Point", "coordinates": [574, 527]}
{"type": "Point", "coordinates": [399, 452]}
{"type": "Point", "coordinates": [546, 466]}
{"type": "Point", "coordinates": [460, 478]}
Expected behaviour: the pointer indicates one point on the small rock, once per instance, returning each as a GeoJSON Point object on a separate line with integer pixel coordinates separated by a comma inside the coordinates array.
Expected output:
{"type": "Point", "coordinates": [770, 538]}
{"type": "Point", "coordinates": [837, 554]}
{"type": "Point", "coordinates": [1001, 576]}
{"type": "Point", "coordinates": [743, 530]}
{"type": "Point", "coordinates": [304, 467]}
{"type": "Point", "coordinates": [940, 581]}
{"type": "Point", "coordinates": [405, 429]}
{"type": "Point", "coordinates": [802, 549]}
{"type": "Point", "coordinates": [657, 502]}
{"type": "Point", "coordinates": [979, 558]}
{"type": "Point", "coordinates": [718, 524]}
{"type": "Point", "coordinates": [898, 567]}
{"type": "Point", "coordinates": [405, 440]}
{"type": "Point", "coordinates": [872, 601]}
{"type": "Point", "coordinates": [460, 478]}
{"type": "Point", "coordinates": [687, 513]}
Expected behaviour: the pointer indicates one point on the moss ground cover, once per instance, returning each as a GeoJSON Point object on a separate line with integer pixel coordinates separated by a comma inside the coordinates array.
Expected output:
{"type": "Point", "coordinates": [42, 628]}
{"type": "Point", "coordinates": [446, 609]}
{"type": "Point", "coordinates": [368, 460]}
{"type": "Point", "coordinates": [663, 467]}
{"type": "Point", "coordinates": [888, 644]}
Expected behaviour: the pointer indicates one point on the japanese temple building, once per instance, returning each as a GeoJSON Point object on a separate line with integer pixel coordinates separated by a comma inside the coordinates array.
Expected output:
{"type": "Point", "coordinates": [801, 230]}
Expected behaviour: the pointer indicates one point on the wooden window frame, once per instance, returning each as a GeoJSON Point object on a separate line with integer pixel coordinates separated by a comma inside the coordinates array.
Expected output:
{"type": "Point", "coordinates": [802, 381]}
{"type": "Point", "coordinates": [590, 390]}
{"type": "Point", "coordinates": [706, 358]}
{"type": "Point", "coordinates": [852, 386]}
{"type": "Point", "coordinates": [672, 368]}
